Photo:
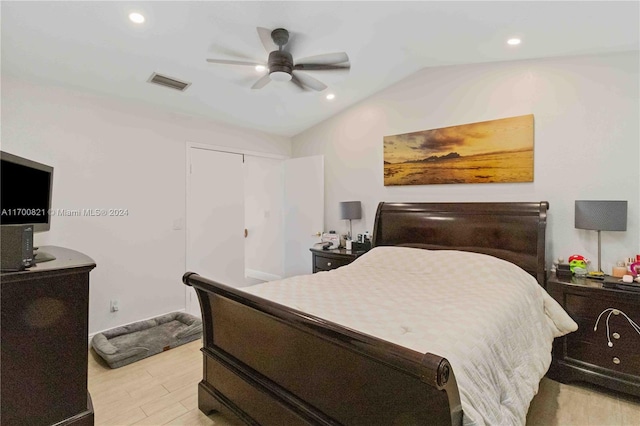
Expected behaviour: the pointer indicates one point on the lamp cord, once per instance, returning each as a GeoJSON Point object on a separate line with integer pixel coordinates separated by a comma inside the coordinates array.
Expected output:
{"type": "Point", "coordinates": [614, 311]}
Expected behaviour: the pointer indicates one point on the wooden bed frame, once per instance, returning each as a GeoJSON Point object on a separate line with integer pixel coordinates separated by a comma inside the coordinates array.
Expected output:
{"type": "Point", "coordinates": [273, 365]}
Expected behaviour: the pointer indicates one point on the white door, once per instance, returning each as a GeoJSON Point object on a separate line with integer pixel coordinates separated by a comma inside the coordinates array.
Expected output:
{"type": "Point", "coordinates": [264, 198]}
{"type": "Point", "coordinates": [303, 211]}
{"type": "Point", "coordinates": [215, 219]}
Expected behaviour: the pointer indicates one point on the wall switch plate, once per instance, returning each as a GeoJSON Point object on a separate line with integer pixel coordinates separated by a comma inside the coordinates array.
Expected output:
{"type": "Point", "coordinates": [115, 307]}
{"type": "Point", "coordinates": [178, 224]}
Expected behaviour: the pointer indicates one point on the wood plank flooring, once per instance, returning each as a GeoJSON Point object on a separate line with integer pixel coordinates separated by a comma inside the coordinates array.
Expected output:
{"type": "Point", "coordinates": [557, 404]}
{"type": "Point", "coordinates": [162, 390]}
{"type": "Point", "coordinates": [158, 390]}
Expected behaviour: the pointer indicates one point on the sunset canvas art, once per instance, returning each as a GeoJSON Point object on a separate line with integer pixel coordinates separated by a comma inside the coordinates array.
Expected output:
{"type": "Point", "coordinates": [495, 151]}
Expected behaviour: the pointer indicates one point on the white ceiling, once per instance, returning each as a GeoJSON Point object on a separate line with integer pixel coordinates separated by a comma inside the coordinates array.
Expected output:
{"type": "Point", "coordinates": [93, 46]}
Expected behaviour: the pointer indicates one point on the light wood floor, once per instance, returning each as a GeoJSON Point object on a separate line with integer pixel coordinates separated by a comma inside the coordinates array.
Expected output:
{"type": "Point", "coordinates": [158, 390]}
{"type": "Point", "coordinates": [162, 390]}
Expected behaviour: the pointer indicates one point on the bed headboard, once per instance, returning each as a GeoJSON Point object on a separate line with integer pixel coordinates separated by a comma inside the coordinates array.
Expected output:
{"type": "Point", "coordinates": [511, 231]}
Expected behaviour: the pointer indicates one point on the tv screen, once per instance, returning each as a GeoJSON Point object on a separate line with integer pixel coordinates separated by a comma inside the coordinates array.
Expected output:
{"type": "Point", "coordinates": [25, 193]}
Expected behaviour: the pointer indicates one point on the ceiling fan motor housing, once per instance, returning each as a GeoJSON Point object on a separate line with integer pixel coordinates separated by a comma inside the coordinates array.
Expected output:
{"type": "Point", "coordinates": [280, 36]}
{"type": "Point", "coordinates": [280, 61]}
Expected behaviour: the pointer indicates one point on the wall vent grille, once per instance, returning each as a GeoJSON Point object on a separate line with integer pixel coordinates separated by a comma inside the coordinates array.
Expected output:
{"type": "Point", "coordinates": [165, 81]}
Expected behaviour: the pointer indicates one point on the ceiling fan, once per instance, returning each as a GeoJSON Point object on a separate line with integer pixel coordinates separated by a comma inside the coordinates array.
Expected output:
{"type": "Point", "coordinates": [281, 66]}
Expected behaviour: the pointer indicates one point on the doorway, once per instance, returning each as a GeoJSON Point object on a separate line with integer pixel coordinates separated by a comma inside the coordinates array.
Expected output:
{"type": "Point", "coordinates": [250, 218]}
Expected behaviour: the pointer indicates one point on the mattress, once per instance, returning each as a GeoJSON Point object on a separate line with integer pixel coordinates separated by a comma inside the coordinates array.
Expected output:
{"type": "Point", "coordinates": [488, 317]}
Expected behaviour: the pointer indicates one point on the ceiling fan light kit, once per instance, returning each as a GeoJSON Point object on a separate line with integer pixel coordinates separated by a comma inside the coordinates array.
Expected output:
{"type": "Point", "coordinates": [280, 76]}
{"type": "Point", "coordinates": [282, 67]}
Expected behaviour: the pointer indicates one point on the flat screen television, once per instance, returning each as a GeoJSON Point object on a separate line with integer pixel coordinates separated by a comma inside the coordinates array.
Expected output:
{"type": "Point", "coordinates": [25, 192]}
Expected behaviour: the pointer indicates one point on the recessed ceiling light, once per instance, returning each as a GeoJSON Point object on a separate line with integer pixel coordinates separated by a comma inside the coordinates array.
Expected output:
{"type": "Point", "coordinates": [136, 17]}
{"type": "Point", "coordinates": [331, 97]}
{"type": "Point", "coordinates": [514, 41]}
{"type": "Point", "coordinates": [260, 68]}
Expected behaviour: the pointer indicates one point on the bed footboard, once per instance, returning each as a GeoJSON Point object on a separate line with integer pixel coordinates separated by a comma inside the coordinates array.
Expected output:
{"type": "Point", "coordinates": [270, 364]}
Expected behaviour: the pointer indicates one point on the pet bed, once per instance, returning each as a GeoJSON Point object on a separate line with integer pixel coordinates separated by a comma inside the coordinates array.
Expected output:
{"type": "Point", "coordinates": [123, 345]}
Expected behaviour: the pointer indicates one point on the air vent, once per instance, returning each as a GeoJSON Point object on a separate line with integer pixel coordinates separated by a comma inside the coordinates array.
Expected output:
{"type": "Point", "coordinates": [165, 81]}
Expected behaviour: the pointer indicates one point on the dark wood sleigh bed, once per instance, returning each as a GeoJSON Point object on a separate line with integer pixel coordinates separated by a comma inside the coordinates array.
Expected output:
{"type": "Point", "coordinates": [273, 365]}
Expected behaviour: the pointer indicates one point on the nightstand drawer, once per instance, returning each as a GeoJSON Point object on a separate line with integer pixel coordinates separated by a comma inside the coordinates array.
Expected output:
{"type": "Point", "coordinates": [616, 358]}
{"type": "Point", "coordinates": [326, 260]}
{"type": "Point", "coordinates": [327, 263]}
{"type": "Point", "coordinates": [586, 354]}
{"type": "Point", "coordinates": [620, 331]}
{"type": "Point", "coordinates": [590, 307]}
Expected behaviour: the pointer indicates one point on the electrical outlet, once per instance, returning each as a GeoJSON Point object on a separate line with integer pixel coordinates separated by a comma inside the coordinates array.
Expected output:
{"type": "Point", "coordinates": [114, 306]}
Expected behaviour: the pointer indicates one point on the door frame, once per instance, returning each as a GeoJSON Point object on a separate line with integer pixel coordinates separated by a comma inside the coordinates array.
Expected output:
{"type": "Point", "coordinates": [231, 150]}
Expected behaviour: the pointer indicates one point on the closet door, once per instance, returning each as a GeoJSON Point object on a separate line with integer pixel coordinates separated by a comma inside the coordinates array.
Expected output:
{"type": "Point", "coordinates": [264, 198]}
{"type": "Point", "coordinates": [215, 219]}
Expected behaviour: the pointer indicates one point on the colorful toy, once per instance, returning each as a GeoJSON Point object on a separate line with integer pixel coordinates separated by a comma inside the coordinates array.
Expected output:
{"type": "Point", "coordinates": [577, 261]}
{"type": "Point", "coordinates": [635, 269]}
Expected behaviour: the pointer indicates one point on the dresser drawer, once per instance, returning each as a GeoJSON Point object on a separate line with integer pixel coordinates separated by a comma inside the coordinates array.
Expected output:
{"type": "Point", "coordinates": [328, 263]}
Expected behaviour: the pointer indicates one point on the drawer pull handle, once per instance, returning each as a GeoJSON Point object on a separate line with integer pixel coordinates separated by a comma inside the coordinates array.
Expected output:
{"type": "Point", "coordinates": [616, 360]}
{"type": "Point", "coordinates": [613, 311]}
{"type": "Point", "coordinates": [328, 263]}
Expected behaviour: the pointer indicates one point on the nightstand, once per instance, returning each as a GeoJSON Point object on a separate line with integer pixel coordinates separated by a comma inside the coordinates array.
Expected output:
{"type": "Point", "coordinates": [608, 356]}
{"type": "Point", "coordinates": [326, 260]}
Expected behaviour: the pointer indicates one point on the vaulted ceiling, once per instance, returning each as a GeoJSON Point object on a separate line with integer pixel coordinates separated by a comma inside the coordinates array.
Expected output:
{"type": "Point", "coordinates": [93, 46]}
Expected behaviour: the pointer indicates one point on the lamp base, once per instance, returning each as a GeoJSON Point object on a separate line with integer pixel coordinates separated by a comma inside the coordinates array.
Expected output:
{"type": "Point", "coordinates": [599, 251]}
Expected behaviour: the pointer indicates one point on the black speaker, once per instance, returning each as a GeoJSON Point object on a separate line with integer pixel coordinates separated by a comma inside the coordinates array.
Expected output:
{"type": "Point", "coordinates": [16, 249]}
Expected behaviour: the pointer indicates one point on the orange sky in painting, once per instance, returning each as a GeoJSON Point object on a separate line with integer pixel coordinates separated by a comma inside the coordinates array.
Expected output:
{"type": "Point", "coordinates": [506, 134]}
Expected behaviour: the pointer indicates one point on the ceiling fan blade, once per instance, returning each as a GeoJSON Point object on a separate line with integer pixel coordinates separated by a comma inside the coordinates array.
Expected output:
{"type": "Point", "coordinates": [321, 67]}
{"type": "Point", "coordinates": [227, 52]}
{"type": "Point", "coordinates": [261, 82]}
{"type": "Point", "coordinates": [310, 82]}
{"type": "Point", "coordinates": [232, 62]}
{"type": "Point", "coordinates": [326, 59]}
{"type": "Point", "coordinates": [297, 82]}
{"type": "Point", "coordinates": [265, 38]}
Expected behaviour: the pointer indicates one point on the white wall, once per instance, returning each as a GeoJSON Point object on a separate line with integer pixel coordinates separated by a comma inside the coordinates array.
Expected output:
{"type": "Point", "coordinates": [587, 141]}
{"type": "Point", "coordinates": [113, 154]}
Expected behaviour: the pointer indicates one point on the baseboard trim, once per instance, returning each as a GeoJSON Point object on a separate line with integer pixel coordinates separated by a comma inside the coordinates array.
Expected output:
{"type": "Point", "coordinates": [259, 275]}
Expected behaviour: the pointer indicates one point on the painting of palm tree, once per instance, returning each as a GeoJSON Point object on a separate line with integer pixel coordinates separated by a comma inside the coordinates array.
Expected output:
{"type": "Point", "coordinates": [495, 151]}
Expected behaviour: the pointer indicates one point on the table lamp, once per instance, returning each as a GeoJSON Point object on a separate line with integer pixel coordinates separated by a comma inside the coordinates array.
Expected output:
{"type": "Point", "coordinates": [350, 210]}
{"type": "Point", "coordinates": [601, 216]}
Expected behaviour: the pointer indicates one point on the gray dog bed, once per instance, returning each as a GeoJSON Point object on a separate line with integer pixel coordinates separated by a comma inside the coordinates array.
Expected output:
{"type": "Point", "coordinates": [124, 345]}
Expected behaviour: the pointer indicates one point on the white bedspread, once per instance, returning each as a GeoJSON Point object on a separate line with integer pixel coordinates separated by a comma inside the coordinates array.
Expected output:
{"type": "Point", "coordinates": [488, 317]}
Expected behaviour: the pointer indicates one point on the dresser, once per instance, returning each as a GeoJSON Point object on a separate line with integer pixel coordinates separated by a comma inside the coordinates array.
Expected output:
{"type": "Point", "coordinates": [326, 260]}
{"type": "Point", "coordinates": [606, 348]}
{"type": "Point", "coordinates": [44, 326]}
